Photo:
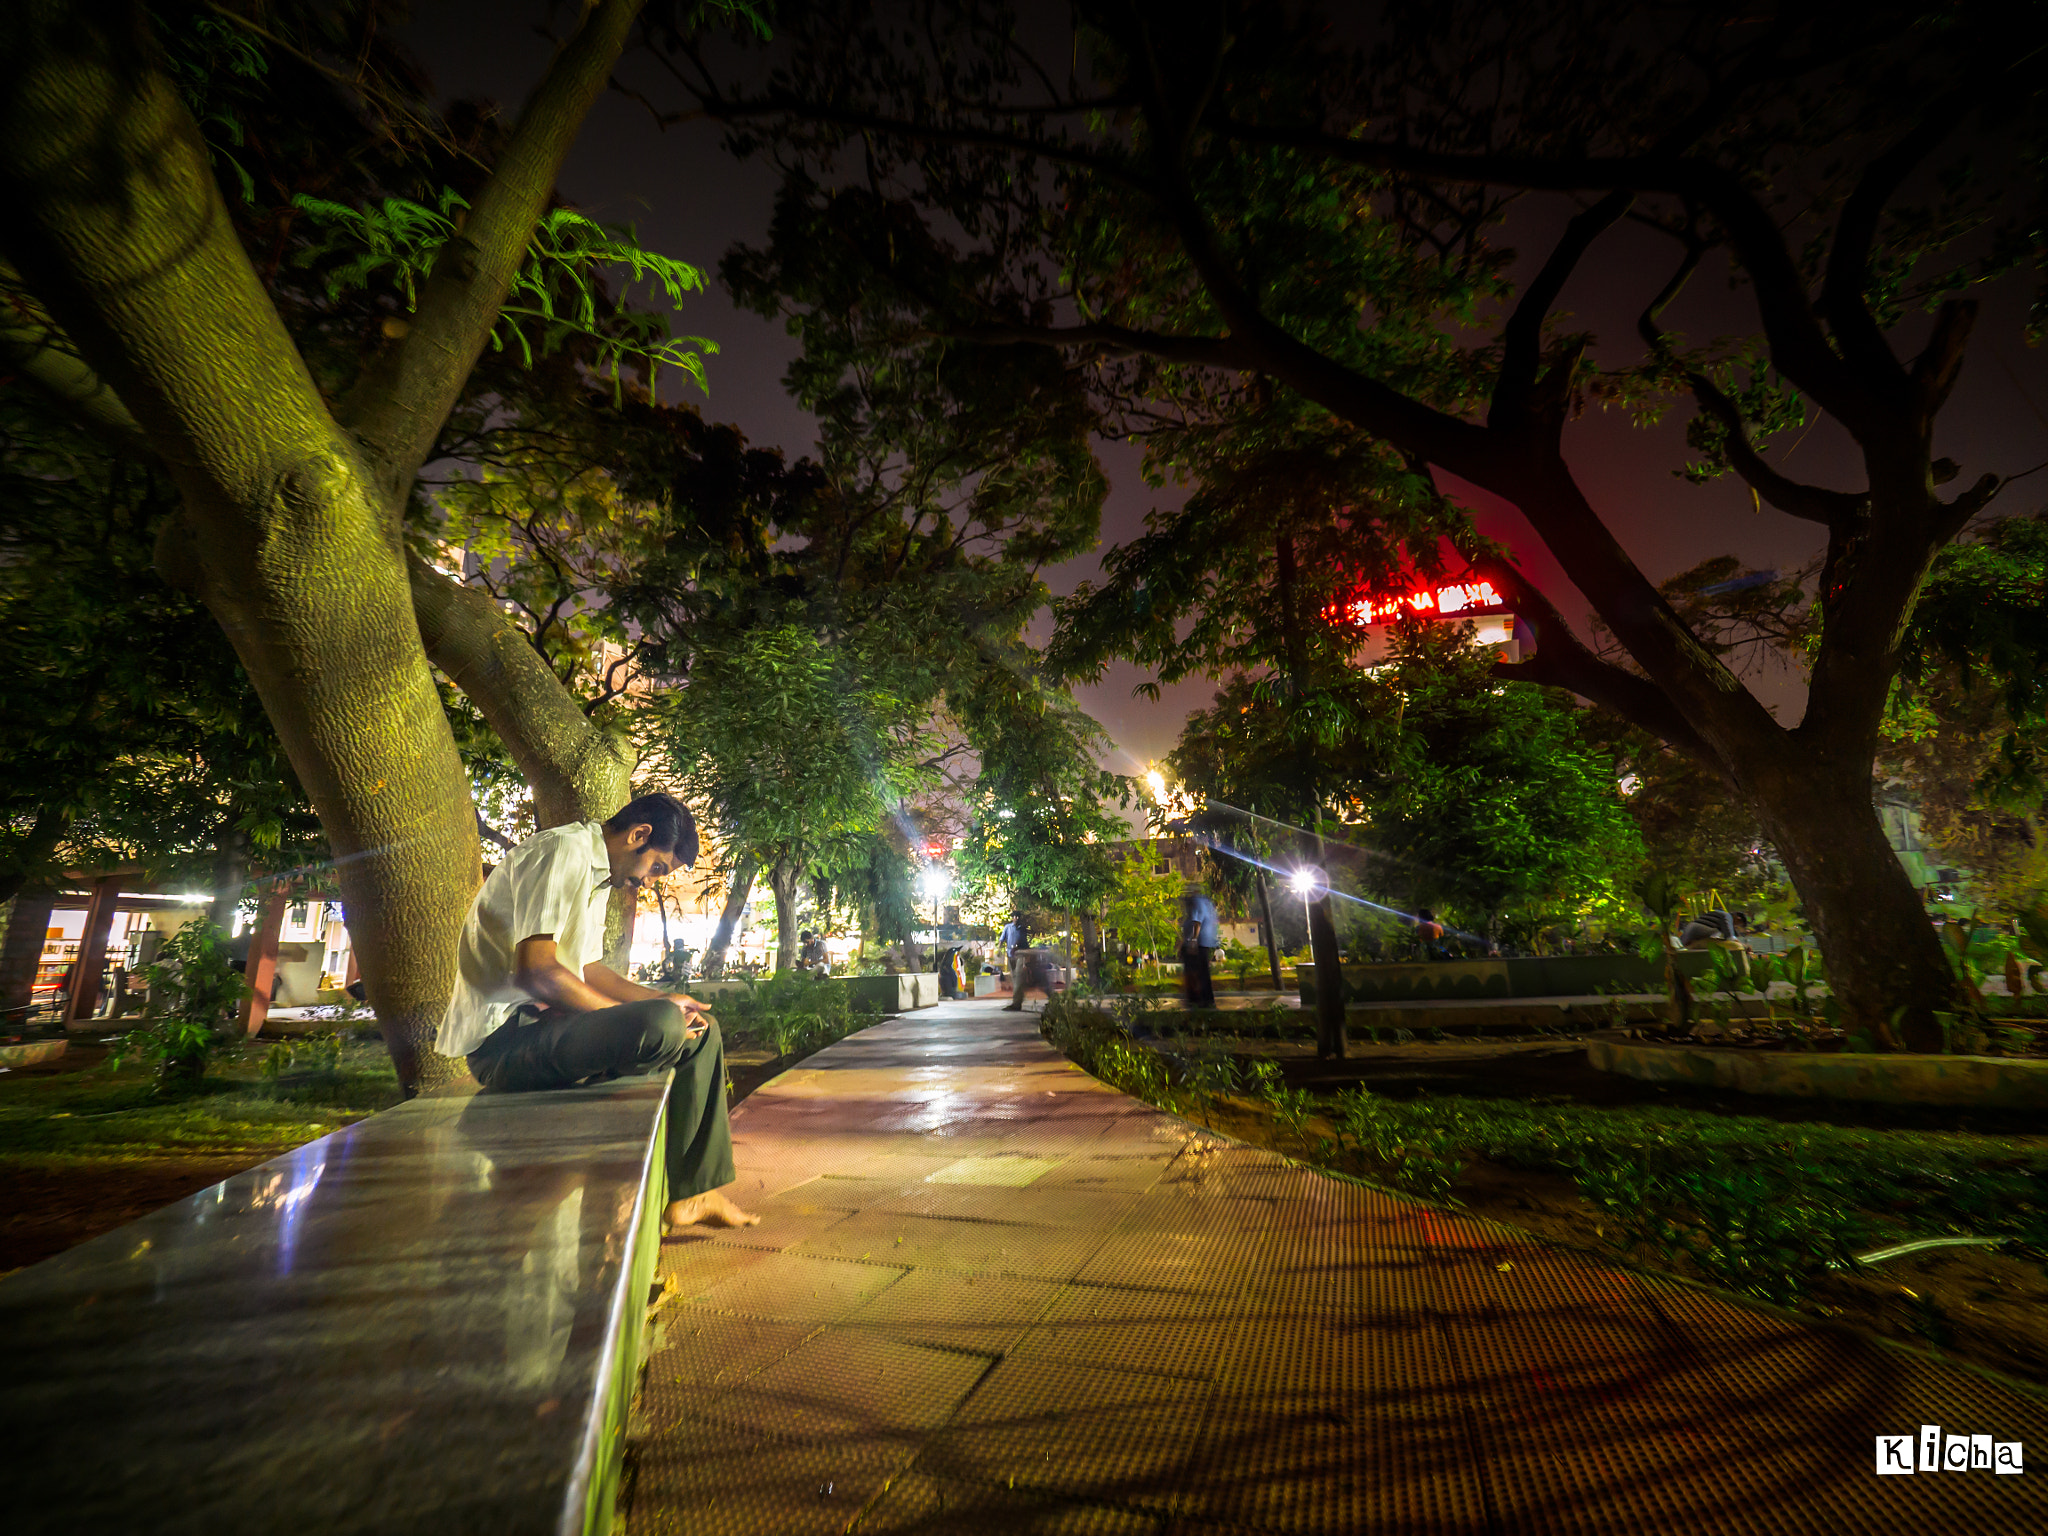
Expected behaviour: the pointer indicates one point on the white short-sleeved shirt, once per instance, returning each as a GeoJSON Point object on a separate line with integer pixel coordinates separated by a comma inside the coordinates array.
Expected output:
{"type": "Point", "coordinates": [555, 882]}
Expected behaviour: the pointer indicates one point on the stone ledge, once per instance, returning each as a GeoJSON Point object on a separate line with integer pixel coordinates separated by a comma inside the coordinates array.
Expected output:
{"type": "Point", "coordinates": [1989, 1081]}
{"type": "Point", "coordinates": [427, 1322]}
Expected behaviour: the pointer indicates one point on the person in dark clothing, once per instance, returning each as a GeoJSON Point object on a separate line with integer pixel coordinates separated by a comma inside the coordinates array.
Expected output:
{"type": "Point", "coordinates": [1200, 937]}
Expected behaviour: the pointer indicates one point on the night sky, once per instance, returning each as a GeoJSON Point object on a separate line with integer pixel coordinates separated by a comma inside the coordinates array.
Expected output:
{"type": "Point", "coordinates": [690, 199]}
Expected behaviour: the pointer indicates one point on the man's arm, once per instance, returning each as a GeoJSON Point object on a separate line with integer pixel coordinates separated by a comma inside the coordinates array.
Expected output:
{"type": "Point", "coordinates": [603, 978]}
{"type": "Point", "coordinates": [538, 971]}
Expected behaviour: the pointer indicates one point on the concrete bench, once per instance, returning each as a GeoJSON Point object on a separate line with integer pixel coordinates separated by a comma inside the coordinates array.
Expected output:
{"type": "Point", "coordinates": [427, 1322]}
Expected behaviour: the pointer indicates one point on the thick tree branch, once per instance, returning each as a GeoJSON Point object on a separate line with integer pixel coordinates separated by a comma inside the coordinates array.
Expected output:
{"type": "Point", "coordinates": [398, 406]}
{"type": "Point", "coordinates": [576, 769]}
{"type": "Point", "coordinates": [1563, 661]}
{"type": "Point", "coordinates": [1940, 362]}
{"type": "Point", "coordinates": [1813, 503]}
{"type": "Point", "coordinates": [1798, 345]}
{"type": "Point", "coordinates": [1522, 341]}
{"type": "Point", "coordinates": [1842, 299]}
{"type": "Point", "coordinates": [41, 355]}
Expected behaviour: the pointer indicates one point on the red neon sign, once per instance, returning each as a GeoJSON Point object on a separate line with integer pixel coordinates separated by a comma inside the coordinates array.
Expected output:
{"type": "Point", "coordinates": [1470, 599]}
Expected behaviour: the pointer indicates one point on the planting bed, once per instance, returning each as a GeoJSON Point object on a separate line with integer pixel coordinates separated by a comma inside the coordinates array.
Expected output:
{"type": "Point", "coordinates": [1745, 1192]}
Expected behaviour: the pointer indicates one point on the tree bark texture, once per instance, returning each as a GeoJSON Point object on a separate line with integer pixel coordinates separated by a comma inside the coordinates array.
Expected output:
{"type": "Point", "coordinates": [1266, 923]}
{"type": "Point", "coordinates": [785, 878]}
{"type": "Point", "coordinates": [737, 890]}
{"type": "Point", "coordinates": [1329, 961]}
{"type": "Point", "coordinates": [31, 859]}
{"type": "Point", "coordinates": [120, 228]}
{"type": "Point", "coordinates": [577, 770]}
{"type": "Point", "coordinates": [1879, 945]}
{"type": "Point", "coordinates": [290, 529]}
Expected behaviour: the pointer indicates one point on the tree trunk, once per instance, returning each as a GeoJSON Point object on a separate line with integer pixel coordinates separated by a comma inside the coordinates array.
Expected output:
{"type": "Point", "coordinates": [1091, 949]}
{"type": "Point", "coordinates": [291, 529]}
{"type": "Point", "coordinates": [784, 878]}
{"type": "Point", "coordinates": [230, 874]}
{"type": "Point", "coordinates": [28, 927]}
{"type": "Point", "coordinates": [737, 890]}
{"type": "Point", "coordinates": [1266, 922]}
{"type": "Point", "coordinates": [119, 228]}
{"type": "Point", "coordinates": [1329, 960]}
{"type": "Point", "coordinates": [27, 862]}
{"type": "Point", "coordinates": [1882, 953]}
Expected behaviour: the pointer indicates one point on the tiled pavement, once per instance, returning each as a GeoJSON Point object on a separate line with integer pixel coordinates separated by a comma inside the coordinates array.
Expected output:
{"type": "Point", "coordinates": [989, 1294]}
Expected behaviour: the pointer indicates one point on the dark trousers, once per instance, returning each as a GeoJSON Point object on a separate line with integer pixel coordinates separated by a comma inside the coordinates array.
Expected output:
{"type": "Point", "coordinates": [1025, 973]}
{"type": "Point", "coordinates": [535, 1050]}
{"type": "Point", "coordinates": [1197, 986]}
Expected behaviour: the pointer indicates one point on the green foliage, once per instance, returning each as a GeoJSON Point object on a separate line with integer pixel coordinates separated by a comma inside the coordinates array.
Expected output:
{"type": "Point", "coordinates": [316, 1057]}
{"type": "Point", "coordinates": [132, 733]}
{"type": "Point", "coordinates": [1748, 1203]}
{"type": "Point", "coordinates": [1494, 795]}
{"type": "Point", "coordinates": [798, 755]}
{"type": "Point", "coordinates": [1144, 908]}
{"type": "Point", "coordinates": [795, 1013]}
{"type": "Point", "coordinates": [193, 992]}
{"type": "Point", "coordinates": [557, 295]}
{"type": "Point", "coordinates": [236, 1111]}
{"type": "Point", "coordinates": [1772, 1234]}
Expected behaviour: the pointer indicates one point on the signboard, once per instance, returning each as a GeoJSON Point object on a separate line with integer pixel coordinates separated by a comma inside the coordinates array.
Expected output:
{"type": "Point", "coordinates": [1472, 599]}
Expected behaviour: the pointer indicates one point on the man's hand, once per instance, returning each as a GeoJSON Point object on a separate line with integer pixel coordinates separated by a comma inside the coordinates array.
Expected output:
{"type": "Point", "coordinates": [696, 1015]}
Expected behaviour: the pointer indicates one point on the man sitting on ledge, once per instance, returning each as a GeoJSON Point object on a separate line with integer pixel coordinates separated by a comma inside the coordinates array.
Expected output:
{"type": "Point", "coordinates": [534, 1006]}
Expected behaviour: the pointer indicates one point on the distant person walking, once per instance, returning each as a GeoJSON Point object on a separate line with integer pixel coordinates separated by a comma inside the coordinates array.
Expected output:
{"type": "Point", "coordinates": [1200, 937]}
{"type": "Point", "coordinates": [1026, 971]}
{"type": "Point", "coordinates": [1016, 936]}
{"type": "Point", "coordinates": [1430, 932]}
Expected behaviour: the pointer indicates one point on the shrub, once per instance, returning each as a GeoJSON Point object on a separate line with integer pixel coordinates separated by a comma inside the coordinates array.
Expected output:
{"type": "Point", "coordinates": [194, 990]}
{"type": "Point", "coordinates": [795, 1013]}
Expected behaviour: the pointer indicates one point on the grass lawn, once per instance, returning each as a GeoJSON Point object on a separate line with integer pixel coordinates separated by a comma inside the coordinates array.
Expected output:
{"type": "Point", "coordinates": [84, 1149]}
{"type": "Point", "coordinates": [1769, 1197]}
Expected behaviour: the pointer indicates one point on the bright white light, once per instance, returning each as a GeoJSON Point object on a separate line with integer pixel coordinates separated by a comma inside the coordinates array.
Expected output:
{"type": "Point", "coordinates": [935, 882]}
{"type": "Point", "coordinates": [1157, 781]}
{"type": "Point", "coordinates": [1302, 881]}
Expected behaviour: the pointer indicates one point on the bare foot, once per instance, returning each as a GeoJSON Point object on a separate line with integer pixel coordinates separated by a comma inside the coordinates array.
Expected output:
{"type": "Point", "coordinates": [707, 1210]}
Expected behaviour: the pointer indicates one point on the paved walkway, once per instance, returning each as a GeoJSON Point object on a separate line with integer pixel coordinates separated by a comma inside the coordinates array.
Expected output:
{"type": "Point", "coordinates": [989, 1294]}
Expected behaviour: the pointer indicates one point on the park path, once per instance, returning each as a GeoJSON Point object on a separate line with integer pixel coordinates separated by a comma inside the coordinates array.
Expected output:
{"type": "Point", "coordinates": [990, 1294]}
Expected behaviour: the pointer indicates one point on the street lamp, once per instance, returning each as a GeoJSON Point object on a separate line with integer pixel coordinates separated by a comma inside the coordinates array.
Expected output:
{"type": "Point", "coordinates": [1313, 885]}
{"type": "Point", "coordinates": [935, 881]}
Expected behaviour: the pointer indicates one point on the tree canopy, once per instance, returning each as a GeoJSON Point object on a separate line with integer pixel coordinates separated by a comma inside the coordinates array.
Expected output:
{"type": "Point", "coordinates": [1190, 208]}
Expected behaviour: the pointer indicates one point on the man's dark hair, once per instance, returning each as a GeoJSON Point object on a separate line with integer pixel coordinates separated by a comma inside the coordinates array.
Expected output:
{"type": "Point", "coordinates": [674, 828]}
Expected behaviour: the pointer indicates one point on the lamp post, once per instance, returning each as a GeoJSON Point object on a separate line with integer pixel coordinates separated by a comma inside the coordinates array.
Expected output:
{"type": "Point", "coordinates": [935, 882]}
{"type": "Point", "coordinates": [1311, 884]}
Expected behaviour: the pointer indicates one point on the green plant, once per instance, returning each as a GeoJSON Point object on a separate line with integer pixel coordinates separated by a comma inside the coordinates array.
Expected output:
{"type": "Point", "coordinates": [793, 1012]}
{"type": "Point", "coordinates": [193, 990]}
{"type": "Point", "coordinates": [1745, 1228]}
{"type": "Point", "coordinates": [1292, 1109]}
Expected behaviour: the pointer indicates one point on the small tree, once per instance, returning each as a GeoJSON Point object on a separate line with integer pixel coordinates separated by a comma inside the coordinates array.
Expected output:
{"type": "Point", "coordinates": [193, 992]}
{"type": "Point", "coordinates": [1143, 907]}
